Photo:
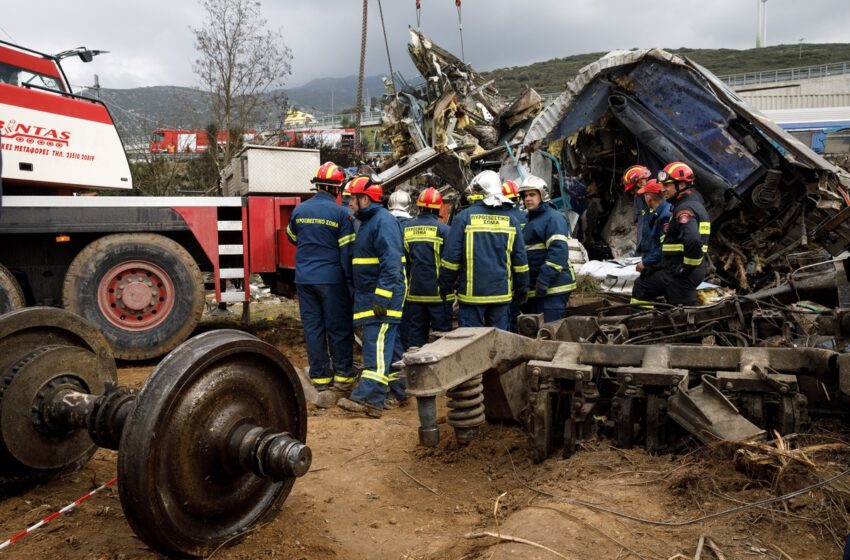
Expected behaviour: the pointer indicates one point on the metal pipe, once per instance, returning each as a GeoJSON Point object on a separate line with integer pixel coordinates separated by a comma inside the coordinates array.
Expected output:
{"type": "Point", "coordinates": [429, 433]}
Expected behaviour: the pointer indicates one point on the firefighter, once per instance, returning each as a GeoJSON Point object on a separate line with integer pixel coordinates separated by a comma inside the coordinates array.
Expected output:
{"type": "Point", "coordinates": [379, 290]}
{"type": "Point", "coordinates": [683, 264]}
{"type": "Point", "coordinates": [511, 191]}
{"type": "Point", "coordinates": [546, 240]}
{"type": "Point", "coordinates": [323, 234]}
{"type": "Point", "coordinates": [634, 179]}
{"type": "Point", "coordinates": [423, 243]}
{"type": "Point", "coordinates": [485, 256]}
{"type": "Point", "coordinates": [653, 225]}
{"type": "Point", "coordinates": [399, 206]}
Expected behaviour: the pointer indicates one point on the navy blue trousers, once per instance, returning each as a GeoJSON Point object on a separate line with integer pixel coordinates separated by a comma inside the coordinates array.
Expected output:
{"type": "Point", "coordinates": [421, 318]}
{"type": "Point", "coordinates": [376, 379]}
{"type": "Point", "coordinates": [552, 307]}
{"type": "Point", "coordinates": [491, 315]}
{"type": "Point", "coordinates": [326, 316]}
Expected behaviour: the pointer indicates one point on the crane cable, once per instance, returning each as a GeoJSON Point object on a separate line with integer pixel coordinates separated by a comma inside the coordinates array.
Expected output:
{"type": "Point", "coordinates": [358, 148]}
{"type": "Point", "coordinates": [387, 45]}
{"type": "Point", "coordinates": [418, 14]}
{"type": "Point", "coordinates": [460, 28]}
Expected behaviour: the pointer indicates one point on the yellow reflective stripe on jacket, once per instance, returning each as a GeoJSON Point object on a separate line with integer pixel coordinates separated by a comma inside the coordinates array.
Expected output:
{"type": "Point", "coordinates": [705, 228]}
{"type": "Point", "coordinates": [557, 267]}
{"type": "Point", "coordinates": [705, 248]}
{"type": "Point", "coordinates": [536, 247]}
{"type": "Point", "coordinates": [556, 290]}
{"type": "Point", "coordinates": [449, 265]}
{"type": "Point", "coordinates": [374, 376]}
{"type": "Point", "coordinates": [490, 229]}
{"type": "Point", "coordinates": [366, 260]}
{"type": "Point", "coordinates": [291, 235]}
{"type": "Point", "coordinates": [557, 237]}
{"type": "Point", "coordinates": [521, 268]}
{"type": "Point", "coordinates": [464, 298]}
{"type": "Point", "coordinates": [346, 239]}
{"type": "Point", "coordinates": [692, 262]}
{"type": "Point", "coordinates": [383, 293]}
{"type": "Point", "coordinates": [371, 313]}
{"type": "Point", "coordinates": [673, 248]}
{"type": "Point", "coordinates": [425, 299]}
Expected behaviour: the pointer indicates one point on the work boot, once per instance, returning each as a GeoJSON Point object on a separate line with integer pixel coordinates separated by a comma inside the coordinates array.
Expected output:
{"type": "Point", "coordinates": [342, 390]}
{"type": "Point", "coordinates": [393, 402]}
{"type": "Point", "coordinates": [360, 408]}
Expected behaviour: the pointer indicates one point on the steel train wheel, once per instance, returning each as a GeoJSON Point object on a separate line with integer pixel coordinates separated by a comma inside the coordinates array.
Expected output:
{"type": "Point", "coordinates": [11, 294]}
{"type": "Point", "coordinates": [38, 346]}
{"type": "Point", "coordinates": [178, 491]}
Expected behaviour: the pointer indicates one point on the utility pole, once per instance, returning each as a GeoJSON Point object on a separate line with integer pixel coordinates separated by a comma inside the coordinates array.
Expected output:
{"type": "Point", "coordinates": [96, 87]}
{"type": "Point", "coordinates": [761, 30]}
{"type": "Point", "coordinates": [801, 47]}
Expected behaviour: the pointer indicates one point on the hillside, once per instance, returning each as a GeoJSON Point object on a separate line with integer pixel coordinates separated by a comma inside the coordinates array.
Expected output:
{"type": "Point", "coordinates": [552, 75]}
{"type": "Point", "coordinates": [143, 109]}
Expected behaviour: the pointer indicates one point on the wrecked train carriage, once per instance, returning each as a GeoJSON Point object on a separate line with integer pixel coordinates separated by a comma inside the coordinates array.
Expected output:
{"type": "Point", "coordinates": [770, 197]}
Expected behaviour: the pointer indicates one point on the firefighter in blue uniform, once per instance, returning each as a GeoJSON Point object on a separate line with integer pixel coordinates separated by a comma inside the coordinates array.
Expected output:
{"type": "Point", "coordinates": [379, 290]}
{"type": "Point", "coordinates": [511, 191]}
{"type": "Point", "coordinates": [399, 206]}
{"type": "Point", "coordinates": [683, 263]}
{"type": "Point", "coordinates": [546, 241]}
{"type": "Point", "coordinates": [653, 226]}
{"type": "Point", "coordinates": [323, 236]}
{"type": "Point", "coordinates": [484, 256]}
{"type": "Point", "coordinates": [423, 244]}
{"type": "Point", "coordinates": [634, 178]}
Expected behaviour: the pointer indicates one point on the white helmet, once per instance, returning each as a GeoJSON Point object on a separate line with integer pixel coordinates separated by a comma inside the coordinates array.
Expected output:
{"type": "Point", "coordinates": [489, 184]}
{"type": "Point", "coordinates": [399, 200]}
{"type": "Point", "coordinates": [535, 183]}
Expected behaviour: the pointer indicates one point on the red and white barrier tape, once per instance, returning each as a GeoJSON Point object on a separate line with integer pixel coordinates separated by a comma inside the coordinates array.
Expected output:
{"type": "Point", "coordinates": [53, 516]}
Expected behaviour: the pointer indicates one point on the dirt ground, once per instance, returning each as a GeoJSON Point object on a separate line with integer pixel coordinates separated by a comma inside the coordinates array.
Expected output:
{"type": "Point", "coordinates": [373, 492]}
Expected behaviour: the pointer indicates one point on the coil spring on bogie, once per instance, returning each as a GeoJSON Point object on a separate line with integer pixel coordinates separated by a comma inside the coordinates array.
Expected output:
{"type": "Point", "coordinates": [466, 404]}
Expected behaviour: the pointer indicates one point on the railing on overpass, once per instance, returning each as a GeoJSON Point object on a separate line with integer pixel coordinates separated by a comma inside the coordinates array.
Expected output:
{"type": "Point", "coordinates": [787, 74]}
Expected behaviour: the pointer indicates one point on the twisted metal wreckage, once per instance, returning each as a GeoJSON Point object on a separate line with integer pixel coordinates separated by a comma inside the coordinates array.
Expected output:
{"type": "Point", "coordinates": [735, 369]}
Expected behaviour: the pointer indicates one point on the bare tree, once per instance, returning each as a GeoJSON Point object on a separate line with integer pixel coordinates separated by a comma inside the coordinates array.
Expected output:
{"type": "Point", "coordinates": [240, 62]}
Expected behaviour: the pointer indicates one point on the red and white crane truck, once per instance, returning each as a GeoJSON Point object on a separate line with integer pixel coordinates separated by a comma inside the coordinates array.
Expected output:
{"type": "Point", "coordinates": [130, 265]}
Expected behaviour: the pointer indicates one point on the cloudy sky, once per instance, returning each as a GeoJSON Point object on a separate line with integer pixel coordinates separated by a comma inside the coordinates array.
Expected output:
{"type": "Point", "coordinates": [151, 43]}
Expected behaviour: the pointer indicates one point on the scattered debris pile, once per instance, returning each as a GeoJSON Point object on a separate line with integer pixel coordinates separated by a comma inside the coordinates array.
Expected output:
{"type": "Point", "coordinates": [456, 117]}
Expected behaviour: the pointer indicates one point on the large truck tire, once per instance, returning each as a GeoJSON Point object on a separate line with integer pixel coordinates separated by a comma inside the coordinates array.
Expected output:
{"type": "Point", "coordinates": [143, 291]}
{"type": "Point", "coordinates": [11, 294]}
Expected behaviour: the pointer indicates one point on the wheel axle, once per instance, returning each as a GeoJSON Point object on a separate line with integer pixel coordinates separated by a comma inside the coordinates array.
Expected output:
{"type": "Point", "coordinates": [208, 447]}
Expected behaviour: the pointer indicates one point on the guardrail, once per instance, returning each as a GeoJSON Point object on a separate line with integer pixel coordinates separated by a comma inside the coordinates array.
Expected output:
{"type": "Point", "coordinates": [787, 74]}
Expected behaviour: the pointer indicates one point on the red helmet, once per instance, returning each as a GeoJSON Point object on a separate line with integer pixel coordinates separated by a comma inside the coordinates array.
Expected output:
{"type": "Point", "coordinates": [364, 185]}
{"type": "Point", "coordinates": [329, 174]}
{"type": "Point", "coordinates": [430, 198]}
{"type": "Point", "coordinates": [651, 187]}
{"type": "Point", "coordinates": [634, 174]}
{"type": "Point", "coordinates": [675, 172]}
{"type": "Point", "coordinates": [510, 189]}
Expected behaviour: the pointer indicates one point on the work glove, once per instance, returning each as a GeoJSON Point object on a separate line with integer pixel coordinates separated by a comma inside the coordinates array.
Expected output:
{"type": "Point", "coordinates": [540, 289]}
{"type": "Point", "coordinates": [520, 298]}
{"type": "Point", "coordinates": [379, 310]}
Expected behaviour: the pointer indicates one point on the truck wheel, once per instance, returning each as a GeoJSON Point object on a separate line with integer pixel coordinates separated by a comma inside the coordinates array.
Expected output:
{"type": "Point", "coordinates": [142, 290]}
{"type": "Point", "coordinates": [11, 294]}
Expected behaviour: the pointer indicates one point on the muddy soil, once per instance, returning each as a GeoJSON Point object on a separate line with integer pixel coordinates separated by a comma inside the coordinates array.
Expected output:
{"type": "Point", "coordinates": [374, 493]}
